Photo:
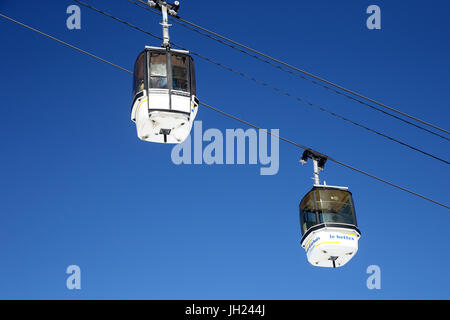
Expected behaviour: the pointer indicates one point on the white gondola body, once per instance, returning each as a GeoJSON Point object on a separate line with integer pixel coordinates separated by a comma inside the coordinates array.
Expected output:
{"type": "Point", "coordinates": [330, 243]}
{"type": "Point", "coordinates": [164, 115]}
{"type": "Point", "coordinates": [151, 125]}
{"type": "Point", "coordinates": [328, 222]}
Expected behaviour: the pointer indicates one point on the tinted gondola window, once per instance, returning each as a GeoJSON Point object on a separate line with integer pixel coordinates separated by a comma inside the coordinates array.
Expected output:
{"type": "Point", "coordinates": [180, 74]}
{"type": "Point", "coordinates": [335, 206]}
{"type": "Point", "coordinates": [158, 71]}
{"type": "Point", "coordinates": [193, 80]}
{"type": "Point", "coordinates": [326, 206]}
{"type": "Point", "coordinates": [139, 74]}
{"type": "Point", "coordinates": [308, 212]}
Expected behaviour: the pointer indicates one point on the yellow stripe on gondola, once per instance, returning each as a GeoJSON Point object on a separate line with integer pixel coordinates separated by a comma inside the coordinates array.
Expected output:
{"type": "Point", "coordinates": [140, 104]}
{"type": "Point", "coordinates": [308, 242]}
{"type": "Point", "coordinates": [326, 242]}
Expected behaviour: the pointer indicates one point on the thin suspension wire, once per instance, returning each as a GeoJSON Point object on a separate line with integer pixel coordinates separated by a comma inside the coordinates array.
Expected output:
{"type": "Point", "coordinates": [236, 118]}
{"type": "Point", "coordinates": [332, 89]}
{"type": "Point", "coordinates": [298, 99]}
{"type": "Point", "coordinates": [62, 42]}
{"type": "Point", "coordinates": [291, 72]}
{"type": "Point", "coordinates": [298, 69]}
{"type": "Point", "coordinates": [328, 157]}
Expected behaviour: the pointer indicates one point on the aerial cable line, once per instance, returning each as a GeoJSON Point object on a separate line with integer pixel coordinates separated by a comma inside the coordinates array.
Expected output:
{"type": "Point", "coordinates": [300, 75]}
{"type": "Point", "coordinates": [64, 43]}
{"type": "Point", "coordinates": [324, 156]}
{"type": "Point", "coordinates": [238, 119]}
{"type": "Point", "coordinates": [298, 99]}
{"type": "Point", "coordinates": [298, 69]}
{"type": "Point", "coordinates": [292, 73]}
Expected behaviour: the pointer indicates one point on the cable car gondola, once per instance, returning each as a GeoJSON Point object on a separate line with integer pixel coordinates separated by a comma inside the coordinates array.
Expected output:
{"type": "Point", "coordinates": [328, 221]}
{"type": "Point", "coordinates": [164, 89]}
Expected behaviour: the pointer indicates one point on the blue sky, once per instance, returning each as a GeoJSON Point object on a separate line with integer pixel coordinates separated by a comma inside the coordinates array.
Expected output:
{"type": "Point", "coordinates": [78, 187]}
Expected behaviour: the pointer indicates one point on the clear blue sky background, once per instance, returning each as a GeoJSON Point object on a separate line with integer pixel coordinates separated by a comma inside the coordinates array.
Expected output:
{"type": "Point", "coordinates": [78, 187]}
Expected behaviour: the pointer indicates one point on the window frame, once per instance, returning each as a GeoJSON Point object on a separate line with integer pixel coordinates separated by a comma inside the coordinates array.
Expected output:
{"type": "Point", "coordinates": [192, 76]}
{"type": "Point", "coordinates": [143, 68]}
{"type": "Point", "coordinates": [187, 69]}
{"type": "Point", "coordinates": [310, 196]}
{"type": "Point", "coordinates": [319, 211]}
{"type": "Point", "coordinates": [149, 76]}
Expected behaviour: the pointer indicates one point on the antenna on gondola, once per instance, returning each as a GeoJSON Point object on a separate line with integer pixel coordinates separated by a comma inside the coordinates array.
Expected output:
{"type": "Point", "coordinates": [166, 8]}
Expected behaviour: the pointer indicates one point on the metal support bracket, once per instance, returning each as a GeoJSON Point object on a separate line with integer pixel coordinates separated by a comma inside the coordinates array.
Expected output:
{"type": "Point", "coordinates": [319, 161]}
{"type": "Point", "coordinates": [166, 9]}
